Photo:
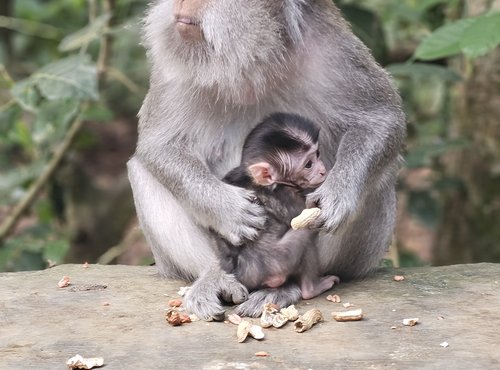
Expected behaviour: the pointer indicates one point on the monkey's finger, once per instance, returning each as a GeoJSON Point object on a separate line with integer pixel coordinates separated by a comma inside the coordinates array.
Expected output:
{"type": "Point", "coordinates": [329, 223]}
{"type": "Point", "coordinates": [250, 233]}
{"type": "Point", "coordinates": [242, 234]}
{"type": "Point", "coordinates": [317, 224]}
{"type": "Point", "coordinates": [253, 217]}
{"type": "Point", "coordinates": [256, 217]}
{"type": "Point", "coordinates": [255, 200]}
{"type": "Point", "coordinates": [236, 293]}
{"type": "Point", "coordinates": [313, 201]}
{"type": "Point", "coordinates": [206, 310]}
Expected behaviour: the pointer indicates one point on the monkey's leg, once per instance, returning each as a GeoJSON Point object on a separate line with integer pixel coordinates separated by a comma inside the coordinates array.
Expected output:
{"type": "Point", "coordinates": [270, 262]}
{"type": "Point", "coordinates": [290, 255]}
{"type": "Point", "coordinates": [311, 282]}
{"type": "Point", "coordinates": [295, 247]}
{"type": "Point", "coordinates": [283, 296]}
{"type": "Point", "coordinates": [181, 248]}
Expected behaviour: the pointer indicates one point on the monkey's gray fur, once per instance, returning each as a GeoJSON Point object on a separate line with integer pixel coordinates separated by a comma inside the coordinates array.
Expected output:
{"type": "Point", "coordinates": [258, 57]}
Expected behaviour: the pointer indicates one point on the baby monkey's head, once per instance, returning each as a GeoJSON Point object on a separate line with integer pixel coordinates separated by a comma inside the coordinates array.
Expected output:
{"type": "Point", "coordinates": [283, 149]}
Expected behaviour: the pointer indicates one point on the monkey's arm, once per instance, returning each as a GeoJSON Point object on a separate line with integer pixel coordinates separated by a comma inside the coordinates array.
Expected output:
{"type": "Point", "coordinates": [366, 161]}
{"type": "Point", "coordinates": [227, 209]}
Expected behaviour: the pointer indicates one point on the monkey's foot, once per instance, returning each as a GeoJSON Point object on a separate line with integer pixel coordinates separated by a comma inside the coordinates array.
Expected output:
{"type": "Point", "coordinates": [283, 296]}
{"type": "Point", "coordinates": [203, 299]}
{"type": "Point", "coordinates": [311, 289]}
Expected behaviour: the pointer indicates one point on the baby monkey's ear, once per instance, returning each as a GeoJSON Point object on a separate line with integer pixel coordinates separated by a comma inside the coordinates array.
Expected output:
{"type": "Point", "coordinates": [262, 173]}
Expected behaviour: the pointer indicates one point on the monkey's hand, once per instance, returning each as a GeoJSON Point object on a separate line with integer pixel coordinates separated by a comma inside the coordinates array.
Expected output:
{"type": "Point", "coordinates": [203, 299]}
{"type": "Point", "coordinates": [282, 296]}
{"type": "Point", "coordinates": [335, 210]}
{"type": "Point", "coordinates": [240, 215]}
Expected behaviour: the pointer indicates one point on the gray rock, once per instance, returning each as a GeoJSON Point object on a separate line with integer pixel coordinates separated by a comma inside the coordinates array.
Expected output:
{"type": "Point", "coordinates": [117, 312]}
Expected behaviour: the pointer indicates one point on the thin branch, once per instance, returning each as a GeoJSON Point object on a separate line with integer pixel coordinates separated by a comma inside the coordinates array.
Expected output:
{"type": "Point", "coordinates": [13, 216]}
{"type": "Point", "coordinates": [119, 76]}
{"type": "Point", "coordinates": [5, 75]}
{"type": "Point", "coordinates": [106, 41]}
{"type": "Point", "coordinates": [111, 254]}
{"type": "Point", "coordinates": [7, 105]}
{"type": "Point", "coordinates": [29, 27]}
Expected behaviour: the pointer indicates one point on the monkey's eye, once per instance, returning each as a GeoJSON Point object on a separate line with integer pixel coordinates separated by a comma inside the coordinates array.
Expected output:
{"type": "Point", "coordinates": [309, 164]}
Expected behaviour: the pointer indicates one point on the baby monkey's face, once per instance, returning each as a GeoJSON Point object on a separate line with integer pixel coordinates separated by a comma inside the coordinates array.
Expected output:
{"type": "Point", "coordinates": [309, 170]}
{"type": "Point", "coordinates": [302, 169]}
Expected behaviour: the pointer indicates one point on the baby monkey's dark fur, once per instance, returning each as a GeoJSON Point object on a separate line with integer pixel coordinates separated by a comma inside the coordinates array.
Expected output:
{"type": "Point", "coordinates": [280, 162]}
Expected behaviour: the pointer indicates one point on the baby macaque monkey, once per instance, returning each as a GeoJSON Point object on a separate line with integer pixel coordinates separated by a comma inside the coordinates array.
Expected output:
{"type": "Point", "coordinates": [280, 162]}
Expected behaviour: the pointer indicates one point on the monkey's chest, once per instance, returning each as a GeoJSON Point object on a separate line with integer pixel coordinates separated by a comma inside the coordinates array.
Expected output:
{"type": "Point", "coordinates": [223, 152]}
{"type": "Point", "coordinates": [222, 158]}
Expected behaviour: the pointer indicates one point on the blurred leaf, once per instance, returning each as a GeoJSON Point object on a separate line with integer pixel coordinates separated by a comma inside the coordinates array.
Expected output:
{"type": "Point", "coordinates": [86, 35]}
{"type": "Point", "coordinates": [21, 135]}
{"type": "Point", "coordinates": [20, 254]}
{"type": "Point", "coordinates": [449, 183]}
{"type": "Point", "coordinates": [32, 249]}
{"type": "Point", "coordinates": [422, 70]}
{"type": "Point", "coordinates": [409, 259]}
{"type": "Point", "coordinates": [26, 95]}
{"type": "Point", "coordinates": [15, 259]}
{"type": "Point", "coordinates": [98, 113]}
{"type": "Point", "coordinates": [55, 250]}
{"type": "Point", "coordinates": [473, 36]}
{"type": "Point", "coordinates": [443, 42]}
{"type": "Point", "coordinates": [29, 27]}
{"type": "Point", "coordinates": [481, 36]}
{"type": "Point", "coordinates": [367, 26]}
{"type": "Point", "coordinates": [7, 119]}
{"type": "Point", "coordinates": [424, 5]}
{"type": "Point", "coordinates": [15, 179]}
{"type": "Point", "coordinates": [422, 155]}
{"type": "Point", "coordinates": [147, 261]}
{"type": "Point", "coordinates": [53, 119]}
{"type": "Point", "coordinates": [44, 211]}
{"type": "Point", "coordinates": [73, 77]}
{"type": "Point", "coordinates": [424, 207]}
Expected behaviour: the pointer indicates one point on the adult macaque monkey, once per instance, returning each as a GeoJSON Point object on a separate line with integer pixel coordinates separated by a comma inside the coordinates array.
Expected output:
{"type": "Point", "coordinates": [218, 68]}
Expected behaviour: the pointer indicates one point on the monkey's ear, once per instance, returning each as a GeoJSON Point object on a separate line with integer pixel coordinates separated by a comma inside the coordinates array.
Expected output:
{"type": "Point", "coordinates": [262, 173]}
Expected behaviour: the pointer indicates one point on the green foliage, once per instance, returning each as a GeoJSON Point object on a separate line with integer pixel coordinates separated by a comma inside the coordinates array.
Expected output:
{"type": "Point", "coordinates": [471, 37]}
{"type": "Point", "coordinates": [409, 259]}
{"type": "Point", "coordinates": [86, 35]}
{"type": "Point", "coordinates": [406, 22]}
{"type": "Point", "coordinates": [74, 78]}
{"type": "Point", "coordinates": [435, 33]}
{"type": "Point", "coordinates": [33, 250]}
{"type": "Point", "coordinates": [368, 27]}
{"type": "Point", "coordinates": [52, 82]}
{"type": "Point", "coordinates": [423, 205]}
{"type": "Point", "coordinates": [474, 37]}
{"type": "Point", "coordinates": [418, 71]}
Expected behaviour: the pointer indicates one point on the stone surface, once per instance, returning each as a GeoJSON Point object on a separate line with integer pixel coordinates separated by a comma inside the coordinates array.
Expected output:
{"type": "Point", "coordinates": [121, 318]}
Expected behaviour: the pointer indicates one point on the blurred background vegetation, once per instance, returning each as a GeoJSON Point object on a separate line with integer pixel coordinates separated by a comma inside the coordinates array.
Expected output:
{"type": "Point", "coordinates": [73, 75]}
